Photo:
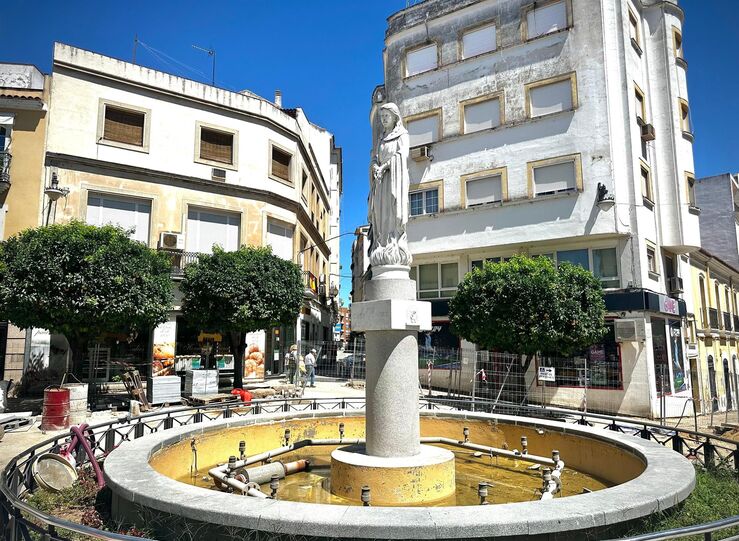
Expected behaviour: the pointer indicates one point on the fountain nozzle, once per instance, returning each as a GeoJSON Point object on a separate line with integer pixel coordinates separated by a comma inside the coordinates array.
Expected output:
{"type": "Point", "coordinates": [466, 434]}
{"type": "Point", "coordinates": [482, 491]}
{"type": "Point", "coordinates": [274, 484]}
{"type": "Point", "coordinates": [287, 437]}
{"type": "Point", "coordinates": [366, 496]}
{"type": "Point", "coordinates": [341, 431]}
{"type": "Point", "coordinates": [242, 449]}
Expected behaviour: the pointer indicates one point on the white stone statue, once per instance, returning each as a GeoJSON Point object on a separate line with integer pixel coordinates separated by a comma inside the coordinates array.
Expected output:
{"type": "Point", "coordinates": [388, 202]}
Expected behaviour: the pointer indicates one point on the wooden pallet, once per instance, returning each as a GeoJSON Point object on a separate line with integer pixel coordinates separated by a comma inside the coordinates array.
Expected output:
{"type": "Point", "coordinates": [205, 399]}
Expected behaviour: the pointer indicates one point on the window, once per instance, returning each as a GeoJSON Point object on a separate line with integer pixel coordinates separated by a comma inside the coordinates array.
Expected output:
{"type": "Point", "coordinates": [634, 31]}
{"type": "Point", "coordinates": [551, 96]}
{"type": "Point", "coordinates": [305, 188]}
{"type": "Point", "coordinates": [639, 106]}
{"type": "Point", "coordinates": [126, 212]}
{"type": "Point", "coordinates": [125, 126]}
{"type": "Point", "coordinates": [546, 19]}
{"type": "Point", "coordinates": [690, 183]}
{"type": "Point", "coordinates": [704, 304]}
{"type": "Point", "coordinates": [646, 185]}
{"type": "Point", "coordinates": [685, 117]}
{"type": "Point", "coordinates": [556, 175]}
{"type": "Point", "coordinates": [478, 263]}
{"type": "Point", "coordinates": [479, 41]}
{"type": "Point", "coordinates": [437, 280]}
{"type": "Point", "coordinates": [280, 164]}
{"type": "Point", "coordinates": [485, 187]}
{"type": "Point", "coordinates": [605, 267]}
{"type": "Point", "coordinates": [280, 238]}
{"type": "Point", "coordinates": [206, 228]}
{"type": "Point", "coordinates": [576, 257]}
{"type": "Point", "coordinates": [677, 39]}
{"type": "Point", "coordinates": [652, 266]}
{"type": "Point", "coordinates": [421, 59]}
{"type": "Point", "coordinates": [424, 202]}
{"type": "Point", "coordinates": [6, 127]}
{"type": "Point", "coordinates": [481, 114]}
{"type": "Point", "coordinates": [424, 129]}
{"type": "Point", "coordinates": [216, 146]}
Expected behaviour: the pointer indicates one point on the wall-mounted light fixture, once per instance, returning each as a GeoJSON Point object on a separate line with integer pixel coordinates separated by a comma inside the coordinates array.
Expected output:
{"type": "Point", "coordinates": [605, 200]}
{"type": "Point", "coordinates": [54, 193]}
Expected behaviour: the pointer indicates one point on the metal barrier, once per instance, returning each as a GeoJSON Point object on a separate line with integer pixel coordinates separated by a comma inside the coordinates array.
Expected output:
{"type": "Point", "coordinates": [19, 521]}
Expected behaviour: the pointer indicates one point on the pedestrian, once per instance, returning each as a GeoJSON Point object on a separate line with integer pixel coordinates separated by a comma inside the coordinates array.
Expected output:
{"type": "Point", "coordinates": [310, 366]}
{"type": "Point", "coordinates": [291, 363]}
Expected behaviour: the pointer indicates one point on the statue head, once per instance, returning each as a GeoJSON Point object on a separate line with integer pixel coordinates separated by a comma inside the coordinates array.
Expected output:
{"type": "Point", "coordinates": [390, 117]}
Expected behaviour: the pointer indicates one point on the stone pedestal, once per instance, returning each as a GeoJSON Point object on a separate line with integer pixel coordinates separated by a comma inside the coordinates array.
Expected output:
{"type": "Point", "coordinates": [390, 319]}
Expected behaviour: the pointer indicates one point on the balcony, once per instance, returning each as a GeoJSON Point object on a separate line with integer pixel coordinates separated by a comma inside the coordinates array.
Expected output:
{"type": "Point", "coordinates": [4, 170]}
{"type": "Point", "coordinates": [310, 282]}
{"type": "Point", "coordinates": [179, 260]}
{"type": "Point", "coordinates": [713, 319]}
{"type": "Point", "coordinates": [727, 321]}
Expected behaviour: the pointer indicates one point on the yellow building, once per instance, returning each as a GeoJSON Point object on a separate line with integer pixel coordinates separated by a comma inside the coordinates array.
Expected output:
{"type": "Point", "coordinates": [23, 115]}
{"type": "Point", "coordinates": [713, 332]}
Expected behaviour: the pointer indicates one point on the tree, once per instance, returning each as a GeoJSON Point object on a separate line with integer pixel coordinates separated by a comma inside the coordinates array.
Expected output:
{"type": "Point", "coordinates": [529, 306]}
{"type": "Point", "coordinates": [239, 292]}
{"type": "Point", "coordinates": [80, 280]}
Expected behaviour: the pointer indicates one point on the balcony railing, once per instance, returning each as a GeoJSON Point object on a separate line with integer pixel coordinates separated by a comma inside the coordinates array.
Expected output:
{"type": "Point", "coordinates": [180, 260]}
{"type": "Point", "coordinates": [5, 157]}
{"type": "Point", "coordinates": [310, 282]}
{"type": "Point", "coordinates": [727, 321]}
{"type": "Point", "coordinates": [713, 318]}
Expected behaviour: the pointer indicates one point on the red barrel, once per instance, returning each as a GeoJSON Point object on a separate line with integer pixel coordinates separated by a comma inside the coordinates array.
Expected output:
{"type": "Point", "coordinates": [56, 409]}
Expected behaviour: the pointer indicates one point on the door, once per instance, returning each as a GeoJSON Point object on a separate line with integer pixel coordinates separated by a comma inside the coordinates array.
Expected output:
{"type": "Point", "coordinates": [727, 384]}
{"type": "Point", "coordinates": [712, 383]}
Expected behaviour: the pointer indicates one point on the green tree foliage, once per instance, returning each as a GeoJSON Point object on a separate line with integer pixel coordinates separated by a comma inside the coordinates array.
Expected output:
{"type": "Point", "coordinates": [239, 292]}
{"type": "Point", "coordinates": [81, 280]}
{"type": "Point", "coordinates": [528, 306]}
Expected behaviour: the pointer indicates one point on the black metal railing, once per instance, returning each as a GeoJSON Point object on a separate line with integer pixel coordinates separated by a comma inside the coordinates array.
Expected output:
{"type": "Point", "coordinates": [727, 321]}
{"type": "Point", "coordinates": [713, 318]}
{"type": "Point", "coordinates": [20, 521]}
{"type": "Point", "coordinates": [5, 158]}
{"type": "Point", "coordinates": [180, 260]}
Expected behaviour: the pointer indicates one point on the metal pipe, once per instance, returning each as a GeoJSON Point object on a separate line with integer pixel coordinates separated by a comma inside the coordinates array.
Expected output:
{"type": "Point", "coordinates": [491, 450]}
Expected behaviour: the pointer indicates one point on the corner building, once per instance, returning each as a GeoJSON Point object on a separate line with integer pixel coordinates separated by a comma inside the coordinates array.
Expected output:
{"type": "Point", "coordinates": [556, 128]}
{"type": "Point", "coordinates": [188, 165]}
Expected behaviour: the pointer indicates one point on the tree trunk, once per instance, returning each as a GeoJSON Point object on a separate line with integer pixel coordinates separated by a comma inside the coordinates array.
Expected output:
{"type": "Point", "coordinates": [238, 347]}
{"type": "Point", "coordinates": [78, 345]}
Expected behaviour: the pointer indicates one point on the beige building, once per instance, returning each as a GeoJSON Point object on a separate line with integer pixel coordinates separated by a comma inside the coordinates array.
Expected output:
{"type": "Point", "coordinates": [23, 116]}
{"type": "Point", "coordinates": [188, 166]}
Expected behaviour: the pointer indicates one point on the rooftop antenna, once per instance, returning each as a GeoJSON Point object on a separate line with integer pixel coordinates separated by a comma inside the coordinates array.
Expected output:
{"type": "Point", "coordinates": [211, 53]}
{"type": "Point", "coordinates": [135, 44]}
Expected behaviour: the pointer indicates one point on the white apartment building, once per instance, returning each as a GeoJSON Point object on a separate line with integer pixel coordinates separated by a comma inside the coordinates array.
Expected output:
{"type": "Point", "coordinates": [558, 128]}
{"type": "Point", "coordinates": [190, 165]}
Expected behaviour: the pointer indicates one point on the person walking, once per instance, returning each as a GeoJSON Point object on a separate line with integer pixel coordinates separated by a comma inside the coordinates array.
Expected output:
{"type": "Point", "coordinates": [310, 367]}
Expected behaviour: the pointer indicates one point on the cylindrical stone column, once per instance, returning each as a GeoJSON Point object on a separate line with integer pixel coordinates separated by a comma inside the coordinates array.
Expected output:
{"type": "Point", "coordinates": [392, 422]}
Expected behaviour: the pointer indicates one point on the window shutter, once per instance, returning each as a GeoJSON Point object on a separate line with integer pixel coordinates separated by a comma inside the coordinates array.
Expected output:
{"type": "Point", "coordinates": [484, 190]}
{"type": "Point", "coordinates": [479, 41]}
{"type": "Point", "coordinates": [546, 19]}
{"type": "Point", "coordinates": [555, 178]}
{"type": "Point", "coordinates": [280, 164]}
{"type": "Point", "coordinates": [551, 98]}
{"type": "Point", "coordinates": [423, 131]}
{"type": "Point", "coordinates": [481, 116]}
{"type": "Point", "coordinates": [216, 146]}
{"type": "Point", "coordinates": [124, 126]}
{"type": "Point", "coordinates": [421, 60]}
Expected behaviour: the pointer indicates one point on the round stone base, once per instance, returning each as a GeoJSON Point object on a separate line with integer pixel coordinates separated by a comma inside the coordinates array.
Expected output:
{"type": "Point", "coordinates": [425, 477]}
{"type": "Point", "coordinates": [389, 272]}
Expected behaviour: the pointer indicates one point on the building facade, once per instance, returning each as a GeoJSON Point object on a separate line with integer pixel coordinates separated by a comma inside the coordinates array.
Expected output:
{"type": "Point", "coordinates": [718, 199]}
{"type": "Point", "coordinates": [360, 262]}
{"type": "Point", "coordinates": [187, 166]}
{"type": "Point", "coordinates": [713, 322]}
{"type": "Point", "coordinates": [24, 106]}
{"type": "Point", "coordinates": [558, 128]}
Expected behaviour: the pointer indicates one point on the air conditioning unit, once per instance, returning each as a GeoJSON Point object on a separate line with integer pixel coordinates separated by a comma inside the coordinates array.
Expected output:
{"type": "Point", "coordinates": [419, 154]}
{"type": "Point", "coordinates": [675, 284]}
{"type": "Point", "coordinates": [171, 241]}
{"type": "Point", "coordinates": [630, 330]}
{"type": "Point", "coordinates": [647, 132]}
{"type": "Point", "coordinates": [218, 174]}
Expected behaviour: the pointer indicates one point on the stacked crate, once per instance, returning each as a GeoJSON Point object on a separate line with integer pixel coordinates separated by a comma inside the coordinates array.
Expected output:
{"type": "Point", "coordinates": [199, 382]}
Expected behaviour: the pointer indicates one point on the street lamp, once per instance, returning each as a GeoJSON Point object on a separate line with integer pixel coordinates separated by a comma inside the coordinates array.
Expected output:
{"type": "Point", "coordinates": [54, 192]}
{"type": "Point", "coordinates": [605, 200]}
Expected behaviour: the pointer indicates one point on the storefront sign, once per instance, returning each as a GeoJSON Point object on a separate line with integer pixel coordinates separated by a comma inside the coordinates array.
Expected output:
{"type": "Point", "coordinates": [163, 352]}
{"type": "Point", "coordinates": [668, 305]}
{"type": "Point", "coordinates": [546, 373]}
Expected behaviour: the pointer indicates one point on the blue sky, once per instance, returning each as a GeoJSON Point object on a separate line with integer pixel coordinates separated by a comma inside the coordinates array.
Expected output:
{"type": "Point", "coordinates": [326, 57]}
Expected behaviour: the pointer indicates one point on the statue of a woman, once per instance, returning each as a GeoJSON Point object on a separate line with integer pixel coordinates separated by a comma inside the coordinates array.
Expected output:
{"type": "Point", "coordinates": [388, 203]}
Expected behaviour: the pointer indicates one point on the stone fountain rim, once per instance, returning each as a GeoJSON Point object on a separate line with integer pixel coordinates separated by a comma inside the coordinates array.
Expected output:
{"type": "Point", "coordinates": [667, 479]}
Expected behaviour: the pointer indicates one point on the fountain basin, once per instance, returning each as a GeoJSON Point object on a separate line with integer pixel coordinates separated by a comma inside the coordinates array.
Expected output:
{"type": "Point", "coordinates": [646, 478]}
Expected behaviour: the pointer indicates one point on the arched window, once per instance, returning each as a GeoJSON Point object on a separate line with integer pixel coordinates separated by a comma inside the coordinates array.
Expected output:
{"type": "Point", "coordinates": [717, 297]}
